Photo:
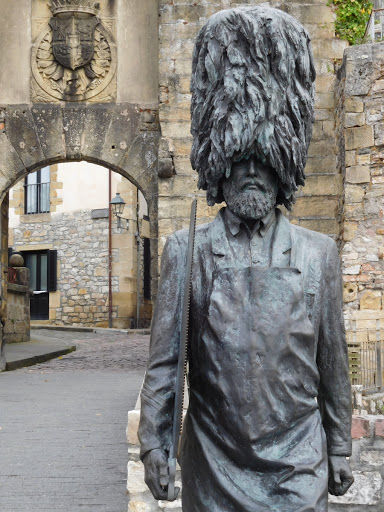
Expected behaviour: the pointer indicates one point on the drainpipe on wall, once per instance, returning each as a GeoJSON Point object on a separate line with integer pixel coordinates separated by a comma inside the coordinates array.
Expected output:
{"type": "Point", "coordinates": [110, 250]}
{"type": "Point", "coordinates": [138, 242]}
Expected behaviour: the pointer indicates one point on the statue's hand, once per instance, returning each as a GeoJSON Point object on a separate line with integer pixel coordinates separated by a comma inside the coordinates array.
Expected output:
{"type": "Point", "coordinates": [340, 475]}
{"type": "Point", "coordinates": [156, 473]}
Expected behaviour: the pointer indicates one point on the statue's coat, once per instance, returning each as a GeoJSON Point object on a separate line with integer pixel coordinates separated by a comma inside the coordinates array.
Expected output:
{"type": "Point", "coordinates": [269, 386]}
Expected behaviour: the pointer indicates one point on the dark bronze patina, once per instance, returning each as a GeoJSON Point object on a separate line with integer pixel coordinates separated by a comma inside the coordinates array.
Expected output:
{"type": "Point", "coordinates": [269, 418]}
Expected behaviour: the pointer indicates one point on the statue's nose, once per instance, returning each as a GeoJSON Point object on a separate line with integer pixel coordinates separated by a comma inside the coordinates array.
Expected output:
{"type": "Point", "coordinates": [252, 170]}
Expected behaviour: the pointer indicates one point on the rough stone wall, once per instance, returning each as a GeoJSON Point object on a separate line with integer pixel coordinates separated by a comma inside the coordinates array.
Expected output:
{"type": "Point", "coordinates": [367, 464]}
{"type": "Point", "coordinates": [361, 138]}
{"type": "Point", "coordinates": [4, 278]}
{"type": "Point", "coordinates": [17, 325]}
{"type": "Point", "coordinates": [82, 275]}
{"type": "Point", "coordinates": [318, 204]}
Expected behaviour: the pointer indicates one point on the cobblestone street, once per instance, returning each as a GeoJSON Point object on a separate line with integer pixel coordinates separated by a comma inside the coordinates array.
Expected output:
{"type": "Point", "coordinates": [62, 425]}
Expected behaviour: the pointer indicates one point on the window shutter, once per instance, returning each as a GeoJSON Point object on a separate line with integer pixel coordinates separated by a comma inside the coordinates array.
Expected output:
{"type": "Point", "coordinates": [52, 271]}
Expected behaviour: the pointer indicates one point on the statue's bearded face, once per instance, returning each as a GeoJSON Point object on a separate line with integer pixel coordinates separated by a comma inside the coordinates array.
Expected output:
{"type": "Point", "coordinates": [251, 189]}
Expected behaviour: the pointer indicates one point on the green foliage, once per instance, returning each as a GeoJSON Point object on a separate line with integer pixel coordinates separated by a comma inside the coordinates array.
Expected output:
{"type": "Point", "coordinates": [352, 19]}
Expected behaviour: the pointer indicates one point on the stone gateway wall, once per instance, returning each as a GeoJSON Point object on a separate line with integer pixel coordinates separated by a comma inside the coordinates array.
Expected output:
{"type": "Point", "coordinates": [121, 137]}
{"type": "Point", "coordinates": [361, 138]}
{"type": "Point", "coordinates": [318, 203]}
{"type": "Point", "coordinates": [4, 276]}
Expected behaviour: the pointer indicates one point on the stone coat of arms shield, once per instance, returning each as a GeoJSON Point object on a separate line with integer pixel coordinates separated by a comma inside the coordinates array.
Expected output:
{"type": "Point", "coordinates": [73, 39]}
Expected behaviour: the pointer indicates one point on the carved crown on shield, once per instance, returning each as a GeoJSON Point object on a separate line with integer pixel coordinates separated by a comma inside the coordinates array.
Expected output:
{"type": "Point", "coordinates": [83, 6]}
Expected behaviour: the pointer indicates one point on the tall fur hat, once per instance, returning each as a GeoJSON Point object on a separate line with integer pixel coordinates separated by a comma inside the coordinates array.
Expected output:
{"type": "Point", "coordinates": [252, 94]}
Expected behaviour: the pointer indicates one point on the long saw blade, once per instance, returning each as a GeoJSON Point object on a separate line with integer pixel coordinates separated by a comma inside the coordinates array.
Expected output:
{"type": "Point", "coordinates": [182, 361]}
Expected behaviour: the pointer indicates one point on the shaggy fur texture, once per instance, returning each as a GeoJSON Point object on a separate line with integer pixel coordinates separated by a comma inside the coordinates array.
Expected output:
{"type": "Point", "coordinates": [252, 94]}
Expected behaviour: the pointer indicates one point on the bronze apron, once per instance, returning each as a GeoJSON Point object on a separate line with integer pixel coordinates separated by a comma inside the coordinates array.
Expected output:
{"type": "Point", "coordinates": [253, 439]}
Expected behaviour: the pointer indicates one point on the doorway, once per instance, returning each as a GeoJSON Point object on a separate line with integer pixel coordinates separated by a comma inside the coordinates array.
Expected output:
{"type": "Point", "coordinates": [42, 271]}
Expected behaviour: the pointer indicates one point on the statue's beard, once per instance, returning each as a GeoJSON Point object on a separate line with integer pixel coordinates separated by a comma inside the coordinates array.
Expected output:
{"type": "Point", "coordinates": [249, 204]}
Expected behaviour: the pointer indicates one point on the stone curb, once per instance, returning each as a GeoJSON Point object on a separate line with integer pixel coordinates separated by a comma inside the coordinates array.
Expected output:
{"type": "Point", "coordinates": [39, 358]}
{"type": "Point", "coordinates": [90, 329]}
{"type": "Point", "coordinates": [61, 328]}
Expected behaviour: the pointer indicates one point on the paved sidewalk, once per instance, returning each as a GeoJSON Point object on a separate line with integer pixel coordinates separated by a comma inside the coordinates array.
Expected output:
{"type": "Point", "coordinates": [37, 350]}
{"type": "Point", "coordinates": [62, 425]}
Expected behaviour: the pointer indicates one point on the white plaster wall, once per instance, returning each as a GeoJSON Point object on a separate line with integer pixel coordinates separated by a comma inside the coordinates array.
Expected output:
{"type": "Point", "coordinates": [85, 186]}
{"type": "Point", "coordinates": [15, 50]}
{"type": "Point", "coordinates": [143, 207]}
{"type": "Point", "coordinates": [14, 220]}
{"type": "Point", "coordinates": [137, 34]}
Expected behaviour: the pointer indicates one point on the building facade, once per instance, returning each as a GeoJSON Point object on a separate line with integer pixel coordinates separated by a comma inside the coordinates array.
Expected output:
{"type": "Point", "coordinates": [83, 267]}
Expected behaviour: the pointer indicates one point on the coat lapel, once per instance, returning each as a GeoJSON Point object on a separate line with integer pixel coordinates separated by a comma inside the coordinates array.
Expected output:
{"type": "Point", "coordinates": [218, 236]}
{"type": "Point", "coordinates": [282, 249]}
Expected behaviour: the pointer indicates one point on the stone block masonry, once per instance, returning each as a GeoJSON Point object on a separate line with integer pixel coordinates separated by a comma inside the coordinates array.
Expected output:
{"type": "Point", "coordinates": [17, 324]}
{"type": "Point", "coordinates": [180, 22]}
{"type": "Point", "coordinates": [82, 252]}
{"type": "Point", "coordinates": [361, 150]}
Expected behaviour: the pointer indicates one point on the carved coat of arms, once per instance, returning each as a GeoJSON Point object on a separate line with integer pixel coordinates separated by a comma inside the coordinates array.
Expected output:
{"type": "Point", "coordinates": [73, 39]}
{"type": "Point", "coordinates": [74, 57]}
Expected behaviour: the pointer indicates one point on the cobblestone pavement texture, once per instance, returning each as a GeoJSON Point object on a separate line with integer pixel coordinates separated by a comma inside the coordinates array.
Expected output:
{"type": "Point", "coordinates": [62, 425]}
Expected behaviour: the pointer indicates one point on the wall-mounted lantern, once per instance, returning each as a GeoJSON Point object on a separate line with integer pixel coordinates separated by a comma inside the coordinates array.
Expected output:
{"type": "Point", "coordinates": [117, 207]}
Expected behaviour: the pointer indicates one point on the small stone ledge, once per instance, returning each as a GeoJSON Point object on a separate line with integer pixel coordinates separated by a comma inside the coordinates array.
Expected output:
{"type": "Point", "coordinates": [17, 288]}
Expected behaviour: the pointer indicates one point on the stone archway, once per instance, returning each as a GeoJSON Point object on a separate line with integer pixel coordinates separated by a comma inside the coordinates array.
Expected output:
{"type": "Point", "coordinates": [122, 137]}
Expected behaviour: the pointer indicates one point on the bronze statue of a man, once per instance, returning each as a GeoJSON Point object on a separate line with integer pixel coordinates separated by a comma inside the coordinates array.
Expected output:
{"type": "Point", "coordinates": [268, 424]}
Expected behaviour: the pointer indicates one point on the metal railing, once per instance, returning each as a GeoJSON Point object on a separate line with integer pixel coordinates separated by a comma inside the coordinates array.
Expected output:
{"type": "Point", "coordinates": [375, 27]}
{"type": "Point", "coordinates": [366, 356]}
{"type": "Point", "coordinates": [37, 198]}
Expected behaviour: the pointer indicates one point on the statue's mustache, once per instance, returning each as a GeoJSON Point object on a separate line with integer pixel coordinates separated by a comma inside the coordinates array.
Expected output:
{"type": "Point", "coordinates": [254, 182]}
